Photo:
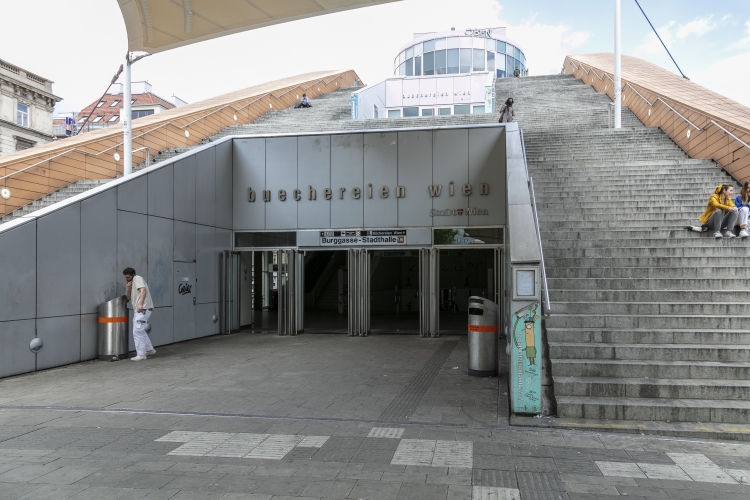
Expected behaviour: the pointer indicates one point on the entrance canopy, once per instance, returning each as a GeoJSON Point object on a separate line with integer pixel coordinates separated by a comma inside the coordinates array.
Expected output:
{"type": "Point", "coordinates": [159, 25]}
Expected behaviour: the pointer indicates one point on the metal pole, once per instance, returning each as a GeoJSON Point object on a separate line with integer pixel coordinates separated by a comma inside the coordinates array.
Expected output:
{"type": "Point", "coordinates": [618, 62]}
{"type": "Point", "coordinates": [127, 142]}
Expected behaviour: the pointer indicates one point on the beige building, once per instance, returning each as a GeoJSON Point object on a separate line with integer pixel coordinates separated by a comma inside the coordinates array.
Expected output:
{"type": "Point", "coordinates": [26, 104]}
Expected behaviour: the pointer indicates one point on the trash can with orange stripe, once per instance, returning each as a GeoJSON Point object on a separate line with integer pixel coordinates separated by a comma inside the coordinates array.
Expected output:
{"type": "Point", "coordinates": [113, 329]}
{"type": "Point", "coordinates": [483, 326]}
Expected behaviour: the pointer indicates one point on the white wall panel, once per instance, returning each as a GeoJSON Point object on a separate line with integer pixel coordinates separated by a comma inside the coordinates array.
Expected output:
{"type": "Point", "coordinates": [206, 264]}
{"type": "Point", "coordinates": [89, 336]}
{"type": "Point", "coordinates": [411, 92]}
{"type": "Point", "coordinates": [314, 169]}
{"type": "Point", "coordinates": [15, 356]}
{"type": "Point", "coordinates": [281, 174]}
{"type": "Point", "coordinates": [161, 192]}
{"type": "Point", "coordinates": [224, 185]}
{"type": "Point", "coordinates": [184, 308]}
{"type": "Point", "coordinates": [487, 164]}
{"type": "Point", "coordinates": [450, 163]}
{"type": "Point", "coordinates": [204, 325]}
{"type": "Point", "coordinates": [184, 189]}
{"type": "Point", "coordinates": [444, 88]}
{"type": "Point", "coordinates": [415, 174]}
{"type": "Point", "coordinates": [59, 263]}
{"type": "Point", "coordinates": [161, 322]}
{"type": "Point", "coordinates": [249, 172]}
{"type": "Point", "coordinates": [427, 89]}
{"type": "Point", "coordinates": [98, 250]}
{"type": "Point", "coordinates": [184, 242]}
{"type": "Point", "coordinates": [380, 169]}
{"type": "Point", "coordinates": [62, 341]}
{"type": "Point", "coordinates": [18, 279]}
{"type": "Point", "coordinates": [393, 93]}
{"type": "Point", "coordinates": [347, 172]}
{"type": "Point", "coordinates": [160, 257]}
{"type": "Point", "coordinates": [205, 187]}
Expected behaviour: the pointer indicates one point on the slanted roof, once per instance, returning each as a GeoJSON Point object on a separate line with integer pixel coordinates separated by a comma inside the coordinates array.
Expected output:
{"type": "Point", "coordinates": [158, 25]}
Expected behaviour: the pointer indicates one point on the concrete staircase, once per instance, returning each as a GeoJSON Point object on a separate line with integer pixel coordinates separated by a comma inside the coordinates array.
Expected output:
{"type": "Point", "coordinates": [651, 323]}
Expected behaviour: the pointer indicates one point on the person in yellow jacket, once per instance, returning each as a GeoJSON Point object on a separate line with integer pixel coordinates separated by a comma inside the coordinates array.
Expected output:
{"type": "Point", "coordinates": [721, 214]}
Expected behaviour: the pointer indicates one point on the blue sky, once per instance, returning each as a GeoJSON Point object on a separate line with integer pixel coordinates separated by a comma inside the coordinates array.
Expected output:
{"type": "Point", "coordinates": [710, 41]}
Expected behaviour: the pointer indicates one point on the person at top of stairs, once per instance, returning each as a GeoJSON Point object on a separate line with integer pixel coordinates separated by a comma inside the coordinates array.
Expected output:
{"type": "Point", "coordinates": [742, 202]}
{"type": "Point", "coordinates": [507, 114]}
{"type": "Point", "coordinates": [721, 214]}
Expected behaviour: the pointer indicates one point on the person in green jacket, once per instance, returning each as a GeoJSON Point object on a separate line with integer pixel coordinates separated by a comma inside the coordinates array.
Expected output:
{"type": "Point", "coordinates": [721, 214]}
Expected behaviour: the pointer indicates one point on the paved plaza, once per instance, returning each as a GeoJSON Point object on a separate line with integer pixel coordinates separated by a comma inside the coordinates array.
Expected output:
{"type": "Point", "coordinates": [257, 416]}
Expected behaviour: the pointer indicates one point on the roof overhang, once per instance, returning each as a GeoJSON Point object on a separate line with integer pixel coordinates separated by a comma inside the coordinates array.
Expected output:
{"type": "Point", "coordinates": [158, 25]}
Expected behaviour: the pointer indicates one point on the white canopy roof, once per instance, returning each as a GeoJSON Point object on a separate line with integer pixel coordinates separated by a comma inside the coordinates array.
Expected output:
{"type": "Point", "coordinates": [158, 25]}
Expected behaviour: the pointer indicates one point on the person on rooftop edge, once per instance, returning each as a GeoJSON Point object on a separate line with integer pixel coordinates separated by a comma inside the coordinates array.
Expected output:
{"type": "Point", "coordinates": [721, 214]}
{"type": "Point", "coordinates": [507, 114]}
{"type": "Point", "coordinates": [742, 202]}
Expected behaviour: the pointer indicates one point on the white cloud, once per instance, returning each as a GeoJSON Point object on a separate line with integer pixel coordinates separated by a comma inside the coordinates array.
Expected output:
{"type": "Point", "coordinates": [652, 45]}
{"type": "Point", "coordinates": [742, 43]}
{"type": "Point", "coordinates": [365, 40]}
{"type": "Point", "coordinates": [699, 26]}
{"type": "Point", "coordinates": [715, 77]}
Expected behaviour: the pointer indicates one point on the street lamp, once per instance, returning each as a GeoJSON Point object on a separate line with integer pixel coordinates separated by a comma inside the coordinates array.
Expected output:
{"type": "Point", "coordinates": [127, 143]}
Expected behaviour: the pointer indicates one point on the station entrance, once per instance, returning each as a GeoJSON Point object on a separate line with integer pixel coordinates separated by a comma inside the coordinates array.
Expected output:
{"type": "Point", "coordinates": [357, 291]}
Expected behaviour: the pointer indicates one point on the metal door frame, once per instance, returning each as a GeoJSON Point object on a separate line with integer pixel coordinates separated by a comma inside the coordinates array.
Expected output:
{"type": "Point", "coordinates": [358, 299]}
{"type": "Point", "coordinates": [229, 310]}
{"type": "Point", "coordinates": [288, 281]}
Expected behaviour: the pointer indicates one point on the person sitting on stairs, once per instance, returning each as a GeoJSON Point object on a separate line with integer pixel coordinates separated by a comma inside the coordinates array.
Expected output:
{"type": "Point", "coordinates": [721, 214]}
{"type": "Point", "coordinates": [304, 103]}
{"type": "Point", "coordinates": [742, 202]}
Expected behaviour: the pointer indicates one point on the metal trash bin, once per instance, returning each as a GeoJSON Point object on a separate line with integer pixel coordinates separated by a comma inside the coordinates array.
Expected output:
{"type": "Point", "coordinates": [482, 337]}
{"type": "Point", "coordinates": [113, 329]}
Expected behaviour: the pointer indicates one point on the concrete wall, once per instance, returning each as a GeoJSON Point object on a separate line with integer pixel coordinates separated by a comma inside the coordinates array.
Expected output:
{"type": "Point", "coordinates": [60, 263]}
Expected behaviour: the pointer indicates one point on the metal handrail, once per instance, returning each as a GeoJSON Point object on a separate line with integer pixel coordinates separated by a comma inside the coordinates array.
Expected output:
{"type": "Point", "coordinates": [547, 309]}
{"type": "Point", "coordinates": [179, 127]}
{"type": "Point", "coordinates": [659, 99]}
{"type": "Point", "coordinates": [597, 75]}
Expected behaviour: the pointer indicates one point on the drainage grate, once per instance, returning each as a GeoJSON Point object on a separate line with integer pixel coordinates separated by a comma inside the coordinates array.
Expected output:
{"type": "Point", "coordinates": [405, 404]}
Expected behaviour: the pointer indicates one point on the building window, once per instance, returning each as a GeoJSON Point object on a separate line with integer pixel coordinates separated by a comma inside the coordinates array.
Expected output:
{"type": "Point", "coordinates": [461, 109]}
{"type": "Point", "coordinates": [452, 61]}
{"type": "Point", "coordinates": [411, 112]}
{"type": "Point", "coordinates": [510, 65]}
{"type": "Point", "coordinates": [22, 115]}
{"type": "Point", "coordinates": [500, 73]}
{"type": "Point", "coordinates": [114, 118]}
{"type": "Point", "coordinates": [409, 67]}
{"type": "Point", "coordinates": [491, 62]}
{"type": "Point", "coordinates": [82, 119]}
{"type": "Point", "coordinates": [97, 119]}
{"type": "Point", "coordinates": [117, 101]}
{"type": "Point", "coordinates": [465, 61]}
{"type": "Point", "coordinates": [418, 66]}
{"type": "Point", "coordinates": [429, 63]}
{"type": "Point", "coordinates": [478, 59]}
{"type": "Point", "coordinates": [478, 110]}
{"type": "Point", "coordinates": [440, 66]}
{"type": "Point", "coordinates": [23, 143]}
{"type": "Point", "coordinates": [501, 47]}
{"type": "Point", "coordinates": [101, 103]}
{"type": "Point", "coordinates": [428, 112]}
{"type": "Point", "coordinates": [142, 112]}
{"type": "Point", "coordinates": [394, 113]}
{"type": "Point", "coordinates": [444, 111]}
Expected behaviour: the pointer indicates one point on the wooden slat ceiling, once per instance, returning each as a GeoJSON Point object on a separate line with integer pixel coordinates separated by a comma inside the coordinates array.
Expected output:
{"type": "Point", "coordinates": [671, 86]}
{"type": "Point", "coordinates": [158, 25]}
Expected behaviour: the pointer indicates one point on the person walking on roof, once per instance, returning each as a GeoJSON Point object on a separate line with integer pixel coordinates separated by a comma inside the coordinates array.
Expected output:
{"type": "Point", "coordinates": [136, 291]}
{"type": "Point", "coordinates": [507, 114]}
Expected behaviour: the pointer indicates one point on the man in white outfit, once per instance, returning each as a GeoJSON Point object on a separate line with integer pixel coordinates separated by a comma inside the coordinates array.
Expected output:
{"type": "Point", "coordinates": [136, 291]}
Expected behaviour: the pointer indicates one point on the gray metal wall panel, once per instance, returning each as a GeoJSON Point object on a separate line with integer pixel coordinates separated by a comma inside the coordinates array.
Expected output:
{"type": "Point", "coordinates": [18, 281]}
{"type": "Point", "coordinates": [381, 169]}
{"type": "Point", "coordinates": [314, 169]}
{"type": "Point", "coordinates": [487, 164]}
{"type": "Point", "coordinates": [62, 341]}
{"type": "Point", "coordinates": [204, 325]}
{"type": "Point", "coordinates": [223, 242]}
{"type": "Point", "coordinates": [184, 242]}
{"type": "Point", "coordinates": [415, 174]}
{"type": "Point", "coordinates": [161, 326]}
{"type": "Point", "coordinates": [58, 291]}
{"type": "Point", "coordinates": [160, 258]}
{"type": "Point", "coordinates": [224, 185]}
{"type": "Point", "coordinates": [249, 171]}
{"type": "Point", "coordinates": [132, 246]}
{"type": "Point", "coordinates": [133, 195]}
{"type": "Point", "coordinates": [419, 236]}
{"type": "Point", "coordinates": [206, 263]}
{"type": "Point", "coordinates": [161, 192]}
{"type": "Point", "coordinates": [98, 251]}
{"type": "Point", "coordinates": [281, 174]}
{"type": "Point", "coordinates": [89, 336]}
{"type": "Point", "coordinates": [15, 356]}
{"type": "Point", "coordinates": [450, 163]}
{"type": "Point", "coordinates": [205, 187]}
{"type": "Point", "coordinates": [184, 309]}
{"type": "Point", "coordinates": [347, 171]}
{"type": "Point", "coordinates": [184, 189]}
{"type": "Point", "coordinates": [308, 239]}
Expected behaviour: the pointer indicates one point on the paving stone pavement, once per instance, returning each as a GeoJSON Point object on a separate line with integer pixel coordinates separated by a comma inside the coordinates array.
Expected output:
{"type": "Point", "coordinates": [262, 417]}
